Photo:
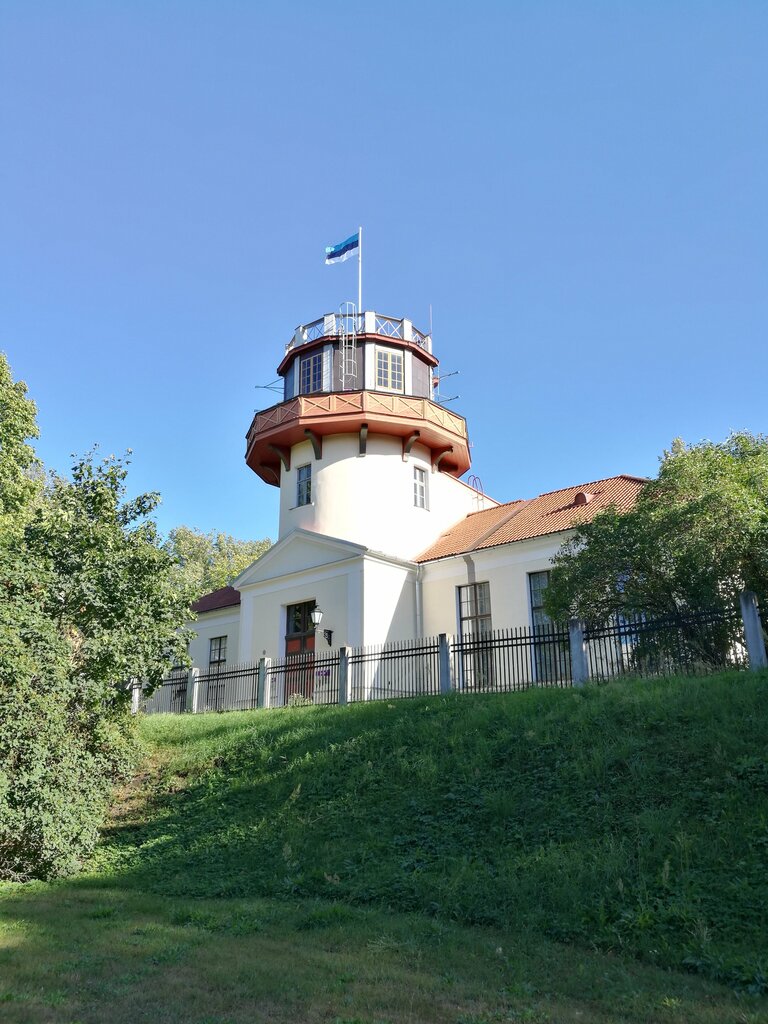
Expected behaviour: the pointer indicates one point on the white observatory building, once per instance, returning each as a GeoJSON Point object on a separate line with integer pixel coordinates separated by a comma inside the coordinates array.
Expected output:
{"type": "Point", "coordinates": [376, 525]}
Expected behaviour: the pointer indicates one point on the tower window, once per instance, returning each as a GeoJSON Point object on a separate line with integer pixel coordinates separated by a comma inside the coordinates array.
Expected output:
{"type": "Point", "coordinates": [304, 485]}
{"type": "Point", "coordinates": [389, 369]}
{"type": "Point", "coordinates": [312, 373]}
{"type": "Point", "coordinates": [419, 487]}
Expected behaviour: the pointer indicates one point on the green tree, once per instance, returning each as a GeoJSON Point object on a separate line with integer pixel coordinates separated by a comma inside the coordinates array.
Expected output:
{"type": "Point", "coordinates": [697, 536]}
{"type": "Point", "coordinates": [18, 480]}
{"type": "Point", "coordinates": [88, 598]}
{"type": "Point", "coordinates": [208, 561]}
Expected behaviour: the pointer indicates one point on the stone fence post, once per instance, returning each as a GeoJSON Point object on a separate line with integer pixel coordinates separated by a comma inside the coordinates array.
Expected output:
{"type": "Point", "coordinates": [262, 683]}
{"type": "Point", "coordinates": [343, 676]}
{"type": "Point", "coordinates": [193, 686]}
{"type": "Point", "coordinates": [265, 694]}
{"type": "Point", "coordinates": [135, 696]}
{"type": "Point", "coordinates": [579, 661]}
{"type": "Point", "coordinates": [444, 658]}
{"type": "Point", "coordinates": [753, 631]}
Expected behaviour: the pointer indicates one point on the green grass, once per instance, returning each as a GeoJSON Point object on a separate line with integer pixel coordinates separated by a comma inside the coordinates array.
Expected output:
{"type": "Point", "coordinates": [84, 954]}
{"type": "Point", "coordinates": [545, 856]}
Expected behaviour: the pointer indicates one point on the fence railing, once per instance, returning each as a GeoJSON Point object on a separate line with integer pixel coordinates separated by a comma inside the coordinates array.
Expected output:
{"type": "Point", "coordinates": [500, 661]}
{"type": "Point", "coordinates": [407, 668]}
{"type": "Point", "coordinates": [695, 643]}
{"type": "Point", "coordinates": [311, 677]}
{"type": "Point", "coordinates": [511, 659]}
{"type": "Point", "coordinates": [234, 688]}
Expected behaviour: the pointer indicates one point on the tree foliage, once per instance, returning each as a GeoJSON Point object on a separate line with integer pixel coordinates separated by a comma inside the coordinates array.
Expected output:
{"type": "Point", "coordinates": [88, 599]}
{"type": "Point", "coordinates": [697, 536]}
{"type": "Point", "coordinates": [208, 561]}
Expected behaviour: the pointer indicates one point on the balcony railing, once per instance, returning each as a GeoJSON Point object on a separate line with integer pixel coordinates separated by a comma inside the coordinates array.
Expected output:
{"type": "Point", "coordinates": [333, 324]}
{"type": "Point", "coordinates": [365, 403]}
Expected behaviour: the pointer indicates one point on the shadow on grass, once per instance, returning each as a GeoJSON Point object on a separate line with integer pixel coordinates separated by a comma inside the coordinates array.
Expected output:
{"type": "Point", "coordinates": [612, 816]}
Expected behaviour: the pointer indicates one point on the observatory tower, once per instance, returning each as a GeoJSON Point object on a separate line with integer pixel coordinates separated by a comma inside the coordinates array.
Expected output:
{"type": "Point", "coordinates": [359, 449]}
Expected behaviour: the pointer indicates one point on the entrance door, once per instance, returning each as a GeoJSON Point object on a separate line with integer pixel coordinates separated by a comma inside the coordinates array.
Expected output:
{"type": "Point", "coordinates": [299, 651]}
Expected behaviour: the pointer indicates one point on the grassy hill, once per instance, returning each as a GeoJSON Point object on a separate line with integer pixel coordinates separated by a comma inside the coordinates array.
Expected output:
{"type": "Point", "coordinates": [631, 818]}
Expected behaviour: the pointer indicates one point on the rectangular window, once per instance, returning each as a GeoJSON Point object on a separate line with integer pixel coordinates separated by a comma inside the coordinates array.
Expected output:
{"type": "Point", "coordinates": [389, 369]}
{"type": "Point", "coordinates": [477, 644]}
{"type": "Point", "coordinates": [304, 485]}
{"type": "Point", "coordinates": [217, 654]}
{"type": "Point", "coordinates": [538, 583]}
{"type": "Point", "coordinates": [475, 608]}
{"type": "Point", "coordinates": [419, 487]}
{"type": "Point", "coordinates": [550, 655]}
{"type": "Point", "coordinates": [312, 373]}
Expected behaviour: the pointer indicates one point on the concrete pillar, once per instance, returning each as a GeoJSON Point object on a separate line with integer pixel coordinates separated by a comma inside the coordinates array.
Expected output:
{"type": "Point", "coordinates": [579, 660]}
{"type": "Point", "coordinates": [343, 675]}
{"type": "Point", "coordinates": [193, 686]}
{"type": "Point", "coordinates": [268, 677]}
{"type": "Point", "coordinates": [444, 656]}
{"type": "Point", "coordinates": [262, 684]}
{"type": "Point", "coordinates": [753, 630]}
{"type": "Point", "coordinates": [135, 696]}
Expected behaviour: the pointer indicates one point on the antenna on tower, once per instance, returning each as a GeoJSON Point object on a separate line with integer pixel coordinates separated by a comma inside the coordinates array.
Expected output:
{"type": "Point", "coordinates": [436, 387]}
{"type": "Point", "coordinates": [276, 386]}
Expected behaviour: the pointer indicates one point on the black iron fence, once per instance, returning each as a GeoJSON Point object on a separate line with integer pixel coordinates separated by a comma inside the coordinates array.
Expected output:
{"type": "Point", "coordinates": [170, 695]}
{"type": "Point", "coordinates": [690, 643]}
{"type": "Point", "coordinates": [405, 668]}
{"type": "Point", "coordinates": [311, 677]}
{"type": "Point", "coordinates": [233, 688]}
{"type": "Point", "coordinates": [500, 661]}
{"type": "Point", "coordinates": [503, 660]}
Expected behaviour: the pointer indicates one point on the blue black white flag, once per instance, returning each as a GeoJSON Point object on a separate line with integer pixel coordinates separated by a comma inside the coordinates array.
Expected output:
{"type": "Point", "coordinates": [342, 251]}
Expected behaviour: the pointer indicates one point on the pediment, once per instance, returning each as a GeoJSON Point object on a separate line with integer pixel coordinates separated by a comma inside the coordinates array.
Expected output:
{"type": "Point", "coordinates": [300, 550]}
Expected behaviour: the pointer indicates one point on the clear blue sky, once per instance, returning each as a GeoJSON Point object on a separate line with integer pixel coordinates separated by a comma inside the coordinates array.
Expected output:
{"type": "Point", "coordinates": [580, 190]}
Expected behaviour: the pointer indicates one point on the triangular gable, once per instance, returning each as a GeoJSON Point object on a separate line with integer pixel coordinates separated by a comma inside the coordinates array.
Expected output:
{"type": "Point", "coordinates": [300, 550]}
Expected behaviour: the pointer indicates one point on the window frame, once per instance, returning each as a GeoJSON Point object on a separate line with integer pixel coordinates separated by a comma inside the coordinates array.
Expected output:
{"type": "Point", "coordinates": [304, 485]}
{"type": "Point", "coordinates": [539, 617]}
{"type": "Point", "coordinates": [384, 380]}
{"type": "Point", "coordinates": [313, 364]}
{"type": "Point", "coordinates": [222, 647]}
{"type": "Point", "coordinates": [420, 488]}
{"type": "Point", "coordinates": [472, 591]}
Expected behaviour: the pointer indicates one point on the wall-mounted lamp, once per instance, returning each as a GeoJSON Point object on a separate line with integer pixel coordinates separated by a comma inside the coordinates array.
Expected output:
{"type": "Point", "coordinates": [317, 617]}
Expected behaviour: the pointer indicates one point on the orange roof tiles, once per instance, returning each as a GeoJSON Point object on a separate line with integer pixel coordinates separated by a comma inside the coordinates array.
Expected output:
{"type": "Point", "coordinates": [522, 520]}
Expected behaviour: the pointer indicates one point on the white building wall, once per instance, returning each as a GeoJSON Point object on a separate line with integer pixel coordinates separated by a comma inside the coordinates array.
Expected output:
{"type": "Point", "coordinates": [369, 499]}
{"type": "Point", "coordinates": [336, 588]}
{"type": "Point", "coordinates": [506, 568]}
{"type": "Point", "coordinates": [389, 604]}
{"type": "Point", "coordinates": [221, 622]}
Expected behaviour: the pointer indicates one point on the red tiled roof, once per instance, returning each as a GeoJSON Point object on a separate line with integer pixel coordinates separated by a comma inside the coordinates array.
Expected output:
{"type": "Point", "coordinates": [522, 520]}
{"type": "Point", "coordinates": [226, 597]}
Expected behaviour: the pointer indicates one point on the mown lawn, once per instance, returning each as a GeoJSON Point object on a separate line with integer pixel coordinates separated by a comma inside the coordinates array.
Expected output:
{"type": "Point", "coordinates": [99, 954]}
{"type": "Point", "coordinates": [596, 855]}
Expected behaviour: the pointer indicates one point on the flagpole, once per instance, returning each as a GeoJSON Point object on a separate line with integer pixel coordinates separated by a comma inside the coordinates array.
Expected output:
{"type": "Point", "coordinates": [360, 272]}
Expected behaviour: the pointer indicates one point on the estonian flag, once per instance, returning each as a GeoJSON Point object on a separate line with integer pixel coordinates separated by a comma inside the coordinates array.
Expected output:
{"type": "Point", "coordinates": [342, 251]}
